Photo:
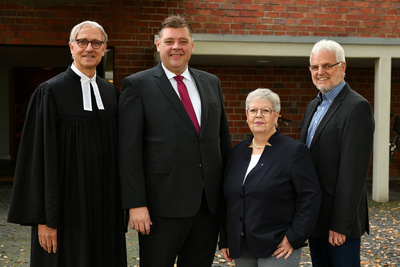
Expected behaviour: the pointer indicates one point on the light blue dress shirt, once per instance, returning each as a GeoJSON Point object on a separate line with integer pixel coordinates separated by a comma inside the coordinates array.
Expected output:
{"type": "Point", "coordinates": [325, 101]}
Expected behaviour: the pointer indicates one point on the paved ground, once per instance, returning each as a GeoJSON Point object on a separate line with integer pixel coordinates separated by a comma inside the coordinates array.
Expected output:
{"type": "Point", "coordinates": [380, 248]}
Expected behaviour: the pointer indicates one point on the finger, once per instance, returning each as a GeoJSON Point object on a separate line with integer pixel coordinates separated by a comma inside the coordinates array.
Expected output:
{"type": "Point", "coordinates": [147, 227]}
{"type": "Point", "coordinates": [133, 224]}
{"type": "Point", "coordinates": [138, 227]}
{"type": "Point", "coordinates": [280, 255]}
{"type": "Point", "coordinates": [49, 247]}
{"type": "Point", "coordinates": [280, 252]}
{"type": "Point", "coordinates": [142, 229]}
{"type": "Point", "coordinates": [228, 258]}
{"type": "Point", "coordinates": [225, 254]}
{"type": "Point", "coordinates": [54, 246]}
{"type": "Point", "coordinates": [44, 245]}
{"type": "Point", "coordinates": [42, 240]}
{"type": "Point", "coordinates": [288, 254]}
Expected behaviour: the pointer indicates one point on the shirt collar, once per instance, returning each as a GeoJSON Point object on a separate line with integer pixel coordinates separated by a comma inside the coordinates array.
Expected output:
{"type": "Point", "coordinates": [170, 75]}
{"type": "Point", "coordinates": [85, 86]}
{"type": "Point", "coordinates": [331, 94]}
{"type": "Point", "coordinates": [83, 76]}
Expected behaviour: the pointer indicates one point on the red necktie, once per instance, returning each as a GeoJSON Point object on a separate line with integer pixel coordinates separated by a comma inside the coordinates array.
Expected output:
{"type": "Point", "coordinates": [186, 101]}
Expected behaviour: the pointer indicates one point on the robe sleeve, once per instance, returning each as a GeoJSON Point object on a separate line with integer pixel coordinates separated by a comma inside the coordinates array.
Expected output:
{"type": "Point", "coordinates": [34, 198]}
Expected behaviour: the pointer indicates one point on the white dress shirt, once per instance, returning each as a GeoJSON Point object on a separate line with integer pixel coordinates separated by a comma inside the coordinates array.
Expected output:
{"type": "Point", "coordinates": [191, 87]}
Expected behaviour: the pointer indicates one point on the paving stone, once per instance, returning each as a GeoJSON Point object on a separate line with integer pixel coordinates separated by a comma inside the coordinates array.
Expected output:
{"type": "Point", "coordinates": [380, 248]}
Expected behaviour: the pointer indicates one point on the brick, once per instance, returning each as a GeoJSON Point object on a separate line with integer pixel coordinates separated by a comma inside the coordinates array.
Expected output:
{"type": "Point", "coordinates": [273, 14]}
{"type": "Point", "coordinates": [131, 26]}
{"type": "Point", "coordinates": [238, 7]}
{"type": "Point", "coordinates": [254, 7]}
{"type": "Point", "coordinates": [348, 3]}
{"type": "Point", "coordinates": [245, 13]}
{"type": "Point", "coordinates": [291, 9]}
{"type": "Point", "coordinates": [204, 12]}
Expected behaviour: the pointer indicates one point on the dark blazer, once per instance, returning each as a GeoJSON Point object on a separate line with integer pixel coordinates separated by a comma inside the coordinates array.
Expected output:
{"type": "Point", "coordinates": [164, 162]}
{"type": "Point", "coordinates": [341, 151]}
{"type": "Point", "coordinates": [280, 197]}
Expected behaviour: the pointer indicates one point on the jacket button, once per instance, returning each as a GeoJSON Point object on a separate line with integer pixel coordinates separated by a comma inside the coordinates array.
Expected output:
{"type": "Point", "coordinates": [200, 165]}
{"type": "Point", "coordinates": [241, 218]}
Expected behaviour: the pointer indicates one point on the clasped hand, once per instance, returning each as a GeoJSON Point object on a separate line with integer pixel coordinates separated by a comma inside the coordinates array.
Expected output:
{"type": "Point", "coordinates": [284, 248]}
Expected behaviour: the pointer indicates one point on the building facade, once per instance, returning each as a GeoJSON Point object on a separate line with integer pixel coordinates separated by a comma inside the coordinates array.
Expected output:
{"type": "Point", "coordinates": [247, 43]}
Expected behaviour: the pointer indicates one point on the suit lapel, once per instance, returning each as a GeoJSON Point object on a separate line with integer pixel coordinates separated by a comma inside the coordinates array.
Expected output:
{"type": "Point", "coordinates": [165, 86]}
{"type": "Point", "coordinates": [332, 109]}
{"type": "Point", "coordinates": [307, 119]}
{"type": "Point", "coordinates": [203, 97]}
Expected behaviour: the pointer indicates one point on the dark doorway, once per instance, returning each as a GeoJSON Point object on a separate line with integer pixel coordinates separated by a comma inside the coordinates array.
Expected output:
{"type": "Point", "coordinates": [28, 67]}
{"type": "Point", "coordinates": [25, 81]}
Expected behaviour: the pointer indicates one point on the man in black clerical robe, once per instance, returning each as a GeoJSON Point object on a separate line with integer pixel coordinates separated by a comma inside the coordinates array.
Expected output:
{"type": "Point", "coordinates": [66, 179]}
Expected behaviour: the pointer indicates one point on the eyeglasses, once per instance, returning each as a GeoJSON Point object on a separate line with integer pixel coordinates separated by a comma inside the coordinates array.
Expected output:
{"type": "Point", "coordinates": [265, 112]}
{"type": "Point", "coordinates": [324, 67]}
{"type": "Point", "coordinates": [96, 44]}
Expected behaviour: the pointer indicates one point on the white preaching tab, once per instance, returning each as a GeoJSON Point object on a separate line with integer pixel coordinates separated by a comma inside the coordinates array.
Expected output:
{"type": "Point", "coordinates": [85, 84]}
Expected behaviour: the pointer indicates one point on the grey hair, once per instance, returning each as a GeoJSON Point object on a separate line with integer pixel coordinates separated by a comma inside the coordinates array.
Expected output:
{"type": "Point", "coordinates": [330, 46]}
{"type": "Point", "coordinates": [264, 94]}
{"type": "Point", "coordinates": [89, 23]}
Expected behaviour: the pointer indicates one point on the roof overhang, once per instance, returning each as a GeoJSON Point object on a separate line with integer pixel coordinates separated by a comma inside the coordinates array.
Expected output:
{"type": "Point", "coordinates": [49, 3]}
{"type": "Point", "coordinates": [216, 49]}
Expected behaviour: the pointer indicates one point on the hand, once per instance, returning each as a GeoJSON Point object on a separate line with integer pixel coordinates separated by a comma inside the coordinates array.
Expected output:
{"type": "Point", "coordinates": [225, 252]}
{"type": "Point", "coordinates": [336, 239]}
{"type": "Point", "coordinates": [47, 238]}
{"type": "Point", "coordinates": [139, 219]}
{"type": "Point", "coordinates": [284, 248]}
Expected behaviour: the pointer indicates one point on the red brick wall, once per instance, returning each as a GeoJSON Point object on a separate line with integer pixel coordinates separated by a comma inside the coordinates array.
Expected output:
{"type": "Point", "coordinates": [131, 26]}
{"type": "Point", "coordinates": [296, 90]}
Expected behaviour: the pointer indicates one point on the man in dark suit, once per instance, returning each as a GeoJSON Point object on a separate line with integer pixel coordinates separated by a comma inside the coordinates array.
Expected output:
{"type": "Point", "coordinates": [338, 128]}
{"type": "Point", "coordinates": [171, 155]}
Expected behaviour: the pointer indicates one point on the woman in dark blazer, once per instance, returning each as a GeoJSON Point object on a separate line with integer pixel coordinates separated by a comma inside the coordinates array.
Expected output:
{"type": "Point", "coordinates": [271, 191]}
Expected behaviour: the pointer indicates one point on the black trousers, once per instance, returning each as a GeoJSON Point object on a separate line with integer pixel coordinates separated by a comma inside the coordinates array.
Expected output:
{"type": "Point", "coordinates": [192, 240]}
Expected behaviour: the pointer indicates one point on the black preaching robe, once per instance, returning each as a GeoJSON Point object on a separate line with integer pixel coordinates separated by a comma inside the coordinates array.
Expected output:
{"type": "Point", "coordinates": [66, 175]}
